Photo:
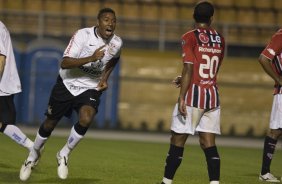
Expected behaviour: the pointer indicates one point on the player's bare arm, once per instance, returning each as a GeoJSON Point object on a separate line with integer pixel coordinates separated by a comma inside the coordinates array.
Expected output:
{"type": "Point", "coordinates": [69, 62]}
{"type": "Point", "coordinates": [266, 65]}
{"type": "Point", "coordinates": [185, 82]}
{"type": "Point", "coordinates": [2, 64]}
{"type": "Point", "coordinates": [103, 85]}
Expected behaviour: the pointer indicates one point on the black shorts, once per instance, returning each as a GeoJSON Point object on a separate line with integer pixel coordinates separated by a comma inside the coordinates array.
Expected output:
{"type": "Point", "coordinates": [7, 109]}
{"type": "Point", "coordinates": [62, 102]}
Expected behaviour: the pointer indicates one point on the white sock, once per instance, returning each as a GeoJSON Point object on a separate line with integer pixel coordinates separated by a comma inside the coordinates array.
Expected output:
{"type": "Point", "coordinates": [38, 143]}
{"type": "Point", "coordinates": [167, 181]}
{"type": "Point", "coordinates": [73, 140]}
{"type": "Point", "coordinates": [214, 182]}
{"type": "Point", "coordinates": [18, 136]}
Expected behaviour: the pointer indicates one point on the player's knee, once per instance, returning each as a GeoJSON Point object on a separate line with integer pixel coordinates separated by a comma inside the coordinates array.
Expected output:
{"type": "Point", "coordinates": [204, 143]}
{"type": "Point", "coordinates": [49, 125]}
{"type": "Point", "coordinates": [178, 140]}
{"type": "Point", "coordinates": [85, 121]}
{"type": "Point", "coordinates": [275, 134]}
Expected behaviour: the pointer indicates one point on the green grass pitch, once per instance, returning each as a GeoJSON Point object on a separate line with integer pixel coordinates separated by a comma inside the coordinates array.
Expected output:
{"type": "Point", "coordinates": [127, 162]}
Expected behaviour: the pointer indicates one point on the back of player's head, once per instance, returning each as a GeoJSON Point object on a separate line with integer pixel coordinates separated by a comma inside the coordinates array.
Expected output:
{"type": "Point", "coordinates": [203, 11]}
{"type": "Point", "coordinates": [105, 10]}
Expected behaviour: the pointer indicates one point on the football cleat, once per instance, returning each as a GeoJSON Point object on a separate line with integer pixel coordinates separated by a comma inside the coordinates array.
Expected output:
{"type": "Point", "coordinates": [28, 165]}
{"type": "Point", "coordinates": [26, 170]}
{"type": "Point", "coordinates": [268, 177]}
{"type": "Point", "coordinates": [62, 166]}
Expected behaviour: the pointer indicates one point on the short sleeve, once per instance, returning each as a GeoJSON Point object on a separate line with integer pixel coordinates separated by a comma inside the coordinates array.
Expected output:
{"type": "Point", "coordinates": [3, 39]}
{"type": "Point", "coordinates": [75, 45]}
{"type": "Point", "coordinates": [274, 47]}
{"type": "Point", "coordinates": [188, 43]}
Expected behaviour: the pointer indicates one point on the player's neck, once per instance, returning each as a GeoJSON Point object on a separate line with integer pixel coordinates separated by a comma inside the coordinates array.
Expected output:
{"type": "Point", "coordinates": [202, 25]}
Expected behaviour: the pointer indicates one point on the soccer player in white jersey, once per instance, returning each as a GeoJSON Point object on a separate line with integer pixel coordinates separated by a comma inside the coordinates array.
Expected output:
{"type": "Point", "coordinates": [9, 86]}
{"type": "Point", "coordinates": [88, 60]}
{"type": "Point", "coordinates": [198, 108]}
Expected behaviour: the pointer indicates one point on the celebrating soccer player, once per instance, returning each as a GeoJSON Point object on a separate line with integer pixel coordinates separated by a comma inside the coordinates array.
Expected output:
{"type": "Point", "coordinates": [88, 60]}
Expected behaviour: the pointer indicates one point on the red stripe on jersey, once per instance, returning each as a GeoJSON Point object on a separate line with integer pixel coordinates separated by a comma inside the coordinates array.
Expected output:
{"type": "Point", "coordinates": [70, 44]}
{"type": "Point", "coordinates": [204, 98]}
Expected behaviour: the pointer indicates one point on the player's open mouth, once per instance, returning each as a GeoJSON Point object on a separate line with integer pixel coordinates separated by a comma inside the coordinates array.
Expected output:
{"type": "Point", "coordinates": [109, 31]}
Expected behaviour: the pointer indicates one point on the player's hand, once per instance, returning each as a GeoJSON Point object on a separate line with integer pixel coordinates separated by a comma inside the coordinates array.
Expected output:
{"type": "Point", "coordinates": [182, 107]}
{"type": "Point", "coordinates": [102, 86]}
{"type": "Point", "coordinates": [99, 53]}
{"type": "Point", "coordinates": [177, 81]}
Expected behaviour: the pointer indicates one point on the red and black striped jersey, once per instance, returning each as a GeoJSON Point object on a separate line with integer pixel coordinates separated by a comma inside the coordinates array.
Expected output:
{"type": "Point", "coordinates": [273, 51]}
{"type": "Point", "coordinates": [204, 48]}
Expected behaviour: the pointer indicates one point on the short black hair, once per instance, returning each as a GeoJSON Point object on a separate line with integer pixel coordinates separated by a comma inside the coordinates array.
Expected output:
{"type": "Point", "coordinates": [203, 11]}
{"type": "Point", "coordinates": [105, 10]}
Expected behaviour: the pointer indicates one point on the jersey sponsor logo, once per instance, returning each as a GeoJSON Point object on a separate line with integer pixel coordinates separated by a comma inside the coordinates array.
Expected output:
{"type": "Point", "coordinates": [73, 87]}
{"type": "Point", "coordinates": [212, 50]}
{"type": "Point", "coordinates": [215, 38]}
{"type": "Point", "coordinates": [271, 51]}
{"type": "Point", "coordinates": [95, 70]}
{"type": "Point", "coordinates": [204, 37]}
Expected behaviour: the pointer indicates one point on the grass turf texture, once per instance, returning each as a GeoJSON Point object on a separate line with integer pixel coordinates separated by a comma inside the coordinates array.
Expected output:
{"type": "Point", "coordinates": [127, 162]}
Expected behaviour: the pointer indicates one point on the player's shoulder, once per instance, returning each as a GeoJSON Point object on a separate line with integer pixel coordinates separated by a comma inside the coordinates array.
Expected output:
{"type": "Point", "coordinates": [2, 24]}
{"type": "Point", "coordinates": [116, 40]}
{"type": "Point", "coordinates": [86, 30]}
{"type": "Point", "coordinates": [188, 34]}
{"type": "Point", "coordinates": [278, 34]}
{"type": "Point", "coordinates": [3, 28]}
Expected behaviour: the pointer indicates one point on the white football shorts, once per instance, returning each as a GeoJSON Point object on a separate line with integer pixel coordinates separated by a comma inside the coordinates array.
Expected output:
{"type": "Point", "coordinates": [276, 112]}
{"type": "Point", "coordinates": [197, 120]}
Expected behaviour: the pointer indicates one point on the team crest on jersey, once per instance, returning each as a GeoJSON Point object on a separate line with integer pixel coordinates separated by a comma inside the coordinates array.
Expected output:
{"type": "Point", "coordinates": [204, 37]}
